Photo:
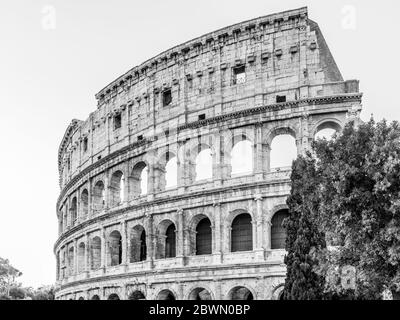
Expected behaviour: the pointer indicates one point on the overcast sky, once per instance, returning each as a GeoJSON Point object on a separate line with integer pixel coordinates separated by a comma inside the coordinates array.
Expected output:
{"type": "Point", "coordinates": [55, 55]}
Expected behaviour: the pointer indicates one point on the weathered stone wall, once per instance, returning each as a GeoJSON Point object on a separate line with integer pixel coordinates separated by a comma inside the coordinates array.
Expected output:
{"type": "Point", "coordinates": [252, 81]}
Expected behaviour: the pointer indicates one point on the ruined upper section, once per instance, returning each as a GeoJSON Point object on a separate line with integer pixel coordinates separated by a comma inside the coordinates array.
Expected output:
{"type": "Point", "coordinates": [278, 58]}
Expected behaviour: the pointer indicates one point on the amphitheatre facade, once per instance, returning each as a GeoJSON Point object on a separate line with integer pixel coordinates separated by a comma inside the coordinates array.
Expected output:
{"type": "Point", "coordinates": [155, 203]}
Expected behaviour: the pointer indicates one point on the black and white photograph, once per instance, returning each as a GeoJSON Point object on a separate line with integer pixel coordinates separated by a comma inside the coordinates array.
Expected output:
{"type": "Point", "coordinates": [226, 151]}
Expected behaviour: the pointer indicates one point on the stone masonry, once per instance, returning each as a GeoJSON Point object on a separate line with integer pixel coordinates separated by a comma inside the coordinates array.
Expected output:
{"type": "Point", "coordinates": [125, 232]}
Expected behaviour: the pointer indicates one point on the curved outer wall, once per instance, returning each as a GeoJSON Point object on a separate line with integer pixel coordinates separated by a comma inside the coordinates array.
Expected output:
{"type": "Point", "coordinates": [211, 107]}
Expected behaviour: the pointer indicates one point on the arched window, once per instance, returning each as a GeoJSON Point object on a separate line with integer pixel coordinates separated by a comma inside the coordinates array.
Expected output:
{"type": "Point", "coordinates": [166, 295]}
{"type": "Point", "coordinates": [278, 232]}
{"type": "Point", "coordinates": [204, 165]}
{"type": "Point", "coordinates": [74, 208]}
{"type": "Point", "coordinates": [115, 248]}
{"type": "Point", "coordinates": [171, 173]}
{"type": "Point", "coordinates": [138, 247]}
{"type": "Point", "coordinates": [65, 221]}
{"type": "Point", "coordinates": [117, 184]}
{"type": "Point", "coordinates": [113, 297]}
{"type": "Point", "coordinates": [81, 257]}
{"type": "Point", "coordinates": [71, 261]}
{"type": "Point", "coordinates": [99, 196]}
{"type": "Point", "coordinates": [242, 233]}
{"type": "Point", "coordinates": [200, 294]}
{"type": "Point", "coordinates": [283, 151]}
{"type": "Point", "coordinates": [139, 179]}
{"type": "Point", "coordinates": [325, 134]}
{"type": "Point", "coordinates": [327, 130]}
{"type": "Point", "coordinates": [95, 251]}
{"type": "Point", "coordinates": [95, 297]}
{"type": "Point", "coordinates": [242, 158]}
{"type": "Point", "coordinates": [203, 237]}
{"type": "Point", "coordinates": [85, 203]}
{"type": "Point", "coordinates": [170, 242]}
{"type": "Point", "coordinates": [137, 295]}
{"type": "Point", "coordinates": [240, 293]}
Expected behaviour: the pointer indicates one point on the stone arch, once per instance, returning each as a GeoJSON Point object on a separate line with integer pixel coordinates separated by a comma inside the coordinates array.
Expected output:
{"type": "Point", "coordinates": [71, 260]}
{"type": "Point", "coordinates": [327, 123]}
{"type": "Point", "coordinates": [278, 232]}
{"type": "Point", "coordinates": [95, 253]}
{"type": "Point", "coordinates": [282, 156]}
{"type": "Point", "coordinates": [74, 210]}
{"type": "Point", "coordinates": [200, 293]}
{"type": "Point", "coordinates": [242, 158]}
{"type": "Point", "coordinates": [113, 296]}
{"type": "Point", "coordinates": [138, 244]}
{"type": "Point", "coordinates": [139, 179]}
{"type": "Point", "coordinates": [115, 248]}
{"type": "Point", "coordinates": [192, 231]}
{"type": "Point", "coordinates": [81, 257]}
{"type": "Point", "coordinates": [116, 187]}
{"type": "Point", "coordinates": [277, 292]}
{"type": "Point", "coordinates": [99, 196]}
{"type": "Point", "coordinates": [168, 171]}
{"type": "Point", "coordinates": [95, 297]}
{"type": "Point", "coordinates": [166, 240]}
{"type": "Point", "coordinates": [241, 232]}
{"type": "Point", "coordinates": [166, 294]}
{"type": "Point", "coordinates": [241, 293]}
{"type": "Point", "coordinates": [137, 295]}
{"type": "Point", "coordinates": [84, 203]}
{"type": "Point", "coordinates": [81, 298]}
{"type": "Point", "coordinates": [203, 163]}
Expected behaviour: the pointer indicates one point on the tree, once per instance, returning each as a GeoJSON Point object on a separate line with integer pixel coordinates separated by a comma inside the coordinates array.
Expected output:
{"type": "Point", "coordinates": [349, 190]}
{"type": "Point", "coordinates": [360, 203]}
{"type": "Point", "coordinates": [304, 241]}
{"type": "Point", "coordinates": [8, 274]}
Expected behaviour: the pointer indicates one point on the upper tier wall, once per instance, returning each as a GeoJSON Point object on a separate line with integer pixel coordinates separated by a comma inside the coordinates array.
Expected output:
{"type": "Point", "coordinates": [242, 66]}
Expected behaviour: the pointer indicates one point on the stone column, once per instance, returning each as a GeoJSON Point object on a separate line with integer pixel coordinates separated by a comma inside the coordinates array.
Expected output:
{"type": "Point", "coordinates": [303, 141]}
{"type": "Point", "coordinates": [259, 227]}
{"type": "Point", "coordinates": [180, 237]}
{"type": "Point", "coordinates": [149, 240]}
{"type": "Point", "coordinates": [75, 262]}
{"type": "Point", "coordinates": [87, 254]}
{"type": "Point", "coordinates": [217, 250]}
{"type": "Point", "coordinates": [258, 155]}
{"type": "Point", "coordinates": [103, 249]}
{"type": "Point", "coordinates": [267, 235]}
{"type": "Point", "coordinates": [218, 160]}
{"type": "Point", "coordinates": [90, 200]}
{"type": "Point", "coordinates": [106, 190]}
{"type": "Point", "coordinates": [124, 244]}
{"type": "Point", "coordinates": [126, 183]}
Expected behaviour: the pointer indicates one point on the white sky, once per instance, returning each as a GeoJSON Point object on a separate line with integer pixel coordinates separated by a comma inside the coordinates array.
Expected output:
{"type": "Point", "coordinates": [48, 77]}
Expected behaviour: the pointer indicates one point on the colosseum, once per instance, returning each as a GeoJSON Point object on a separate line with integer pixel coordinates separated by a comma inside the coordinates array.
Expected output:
{"type": "Point", "coordinates": [171, 188]}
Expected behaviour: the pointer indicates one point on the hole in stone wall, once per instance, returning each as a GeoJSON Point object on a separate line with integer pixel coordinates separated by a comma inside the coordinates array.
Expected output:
{"type": "Point", "coordinates": [242, 158]}
{"type": "Point", "coordinates": [283, 151]}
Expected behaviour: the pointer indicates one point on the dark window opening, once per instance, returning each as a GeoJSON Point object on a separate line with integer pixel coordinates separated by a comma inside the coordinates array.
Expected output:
{"type": "Point", "coordinates": [85, 144]}
{"type": "Point", "coordinates": [202, 116]}
{"type": "Point", "coordinates": [117, 122]}
{"type": "Point", "coordinates": [239, 75]}
{"type": "Point", "coordinates": [143, 247]}
{"type": "Point", "coordinates": [99, 158]}
{"type": "Point", "coordinates": [280, 99]}
{"type": "Point", "coordinates": [170, 242]}
{"type": "Point", "coordinates": [140, 138]}
{"type": "Point", "coordinates": [242, 233]}
{"type": "Point", "coordinates": [203, 237]}
{"type": "Point", "coordinates": [167, 98]}
{"type": "Point", "coordinates": [278, 231]}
